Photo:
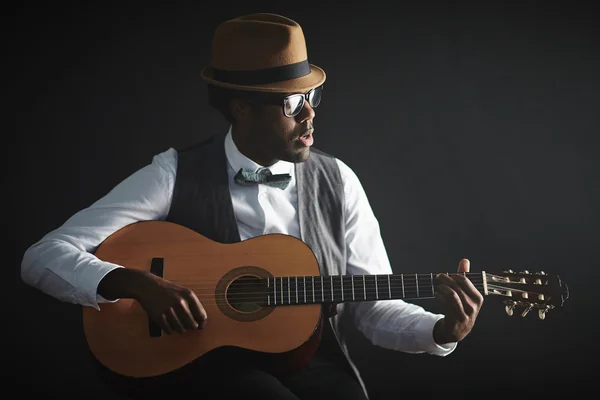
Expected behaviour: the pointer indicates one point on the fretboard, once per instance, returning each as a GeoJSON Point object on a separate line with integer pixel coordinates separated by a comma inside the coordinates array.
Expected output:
{"type": "Point", "coordinates": [295, 290]}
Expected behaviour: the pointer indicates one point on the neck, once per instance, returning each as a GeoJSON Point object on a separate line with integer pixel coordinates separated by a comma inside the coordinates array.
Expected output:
{"type": "Point", "coordinates": [294, 290]}
{"type": "Point", "coordinates": [247, 144]}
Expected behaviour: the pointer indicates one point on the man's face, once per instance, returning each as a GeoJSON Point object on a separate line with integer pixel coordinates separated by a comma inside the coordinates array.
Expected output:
{"type": "Point", "coordinates": [275, 136]}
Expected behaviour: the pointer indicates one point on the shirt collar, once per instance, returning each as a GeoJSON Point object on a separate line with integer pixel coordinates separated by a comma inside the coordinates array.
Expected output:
{"type": "Point", "coordinates": [237, 160]}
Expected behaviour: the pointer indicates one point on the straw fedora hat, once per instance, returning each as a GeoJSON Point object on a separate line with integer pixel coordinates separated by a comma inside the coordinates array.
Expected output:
{"type": "Point", "coordinates": [261, 52]}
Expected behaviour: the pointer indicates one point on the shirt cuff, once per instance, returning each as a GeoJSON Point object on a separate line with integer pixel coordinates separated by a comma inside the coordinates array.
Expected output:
{"type": "Point", "coordinates": [94, 275]}
{"type": "Point", "coordinates": [424, 330]}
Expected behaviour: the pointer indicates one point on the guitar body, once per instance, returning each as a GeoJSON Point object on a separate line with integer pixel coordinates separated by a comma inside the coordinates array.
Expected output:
{"type": "Point", "coordinates": [120, 334]}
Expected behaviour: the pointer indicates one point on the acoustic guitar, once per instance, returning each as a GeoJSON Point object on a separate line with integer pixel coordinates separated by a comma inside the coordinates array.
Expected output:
{"type": "Point", "coordinates": [263, 295]}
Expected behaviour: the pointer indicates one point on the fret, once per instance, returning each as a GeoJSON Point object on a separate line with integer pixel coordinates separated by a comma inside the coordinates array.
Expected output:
{"type": "Point", "coordinates": [281, 288]}
{"type": "Point", "coordinates": [422, 287]}
{"type": "Point", "coordinates": [275, 290]}
{"type": "Point", "coordinates": [402, 278]}
{"type": "Point", "coordinates": [389, 287]}
{"type": "Point", "coordinates": [331, 279]}
{"type": "Point", "coordinates": [296, 278]}
{"type": "Point", "coordinates": [371, 288]}
{"type": "Point", "coordinates": [322, 292]}
{"type": "Point", "coordinates": [417, 281]}
{"type": "Point", "coordinates": [313, 287]}
{"type": "Point", "coordinates": [432, 288]}
{"type": "Point", "coordinates": [382, 282]}
{"type": "Point", "coordinates": [304, 279]}
{"type": "Point", "coordinates": [358, 290]}
{"type": "Point", "coordinates": [426, 285]}
{"type": "Point", "coordinates": [269, 294]}
{"type": "Point", "coordinates": [289, 295]}
{"type": "Point", "coordinates": [348, 287]}
{"type": "Point", "coordinates": [342, 283]}
{"type": "Point", "coordinates": [364, 287]}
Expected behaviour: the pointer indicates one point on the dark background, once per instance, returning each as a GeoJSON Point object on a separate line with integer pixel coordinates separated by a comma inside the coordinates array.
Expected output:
{"type": "Point", "coordinates": [473, 127]}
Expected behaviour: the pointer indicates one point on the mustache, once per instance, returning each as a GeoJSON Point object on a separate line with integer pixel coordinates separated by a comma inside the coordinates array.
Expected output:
{"type": "Point", "coordinates": [304, 130]}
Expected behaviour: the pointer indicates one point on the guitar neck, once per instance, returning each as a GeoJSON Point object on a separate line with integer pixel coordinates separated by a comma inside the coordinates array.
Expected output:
{"type": "Point", "coordinates": [297, 290]}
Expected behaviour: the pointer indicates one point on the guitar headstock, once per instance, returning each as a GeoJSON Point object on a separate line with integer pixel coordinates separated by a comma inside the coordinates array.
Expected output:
{"type": "Point", "coordinates": [528, 290]}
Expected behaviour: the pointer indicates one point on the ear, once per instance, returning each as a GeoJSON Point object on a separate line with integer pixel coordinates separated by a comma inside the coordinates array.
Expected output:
{"type": "Point", "coordinates": [240, 109]}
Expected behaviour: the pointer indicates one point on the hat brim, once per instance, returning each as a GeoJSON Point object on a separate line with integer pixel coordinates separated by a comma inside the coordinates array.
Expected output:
{"type": "Point", "coordinates": [315, 78]}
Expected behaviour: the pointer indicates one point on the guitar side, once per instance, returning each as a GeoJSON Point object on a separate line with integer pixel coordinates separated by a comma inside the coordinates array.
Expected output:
{"type": "Point", "coordinates": [119, 335]}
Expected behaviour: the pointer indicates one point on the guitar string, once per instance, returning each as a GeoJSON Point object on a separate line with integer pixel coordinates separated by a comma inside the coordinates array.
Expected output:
{"type": "Point", "coordinates": [318, 300]}
{"type": "Point", "coordinates": [358, 286]}
{"type": "Point", "coordinates": [347, 277]}
{"type": "Point", "coordinates": [263, 303]}
{"type": "Point", "coordinates": [327, 288]}
{"type": "Point", "coordinates": [326, 281]}
{"type": "Point", "coordinates": [261, 295]}
{"type": "Point", "coordinates": [382, 279]}
{"type": "Point", "coordinates": [358, 289]}
{"type": "Point", "coordinates": [347, 280]}
{"type": "Point", "coordinates": [325, 291]}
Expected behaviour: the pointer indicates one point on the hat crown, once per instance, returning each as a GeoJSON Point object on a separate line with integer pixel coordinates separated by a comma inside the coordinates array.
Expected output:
{"type": "Point", "coordinates": [256, 42]}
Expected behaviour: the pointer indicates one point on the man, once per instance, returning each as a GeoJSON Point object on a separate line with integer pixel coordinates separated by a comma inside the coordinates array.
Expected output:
{"type": "Point", "coordinates": [260, 177]}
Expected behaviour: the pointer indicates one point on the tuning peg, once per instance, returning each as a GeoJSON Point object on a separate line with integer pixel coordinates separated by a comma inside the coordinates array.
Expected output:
{"type": "Point", "coordinates": [540, 273]}
{"type": "Point", "coordinates": [542, 311]}
{"type": "Point", "coordinates": [510, 306]}
{"type": "Point", "coordinates": [509, 271]}
{"type": "Point", "coordinates": [524, 313]}
{"type": "Point", "coordinates": [526, 272]}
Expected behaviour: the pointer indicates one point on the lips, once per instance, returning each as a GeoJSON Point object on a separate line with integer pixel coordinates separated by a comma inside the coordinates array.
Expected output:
{"type": "Point", "coordinates": [307, 139]}
{"type": "Point", "coordinates": [306, 133]}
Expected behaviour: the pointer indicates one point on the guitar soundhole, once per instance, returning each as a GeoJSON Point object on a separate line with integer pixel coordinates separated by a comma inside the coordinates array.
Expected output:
{"type": "Point", "coordinates": [246, 294]}
{"type": "Point", "coordinates": [241, 295]}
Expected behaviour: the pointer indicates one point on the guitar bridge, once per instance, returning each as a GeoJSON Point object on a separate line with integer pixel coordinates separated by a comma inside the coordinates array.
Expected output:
{"type": "Point", "coordinates": [156, 268]}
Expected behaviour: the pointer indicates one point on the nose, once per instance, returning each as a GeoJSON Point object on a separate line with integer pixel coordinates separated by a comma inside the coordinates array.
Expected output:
{"type": "Point", "coordinates": [306, 114]}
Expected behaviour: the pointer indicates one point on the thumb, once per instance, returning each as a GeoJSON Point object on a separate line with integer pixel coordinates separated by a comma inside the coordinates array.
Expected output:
{"type": "Point", "coordinates": [464, 265]}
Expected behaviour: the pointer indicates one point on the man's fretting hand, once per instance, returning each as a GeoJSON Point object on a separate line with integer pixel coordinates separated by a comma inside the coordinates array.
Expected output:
{"type": "Point", "coordinates": [461, 302]}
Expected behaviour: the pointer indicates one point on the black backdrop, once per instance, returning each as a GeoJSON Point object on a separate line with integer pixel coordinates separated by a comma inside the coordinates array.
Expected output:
{"type": "Point", "coordinates": [471, 125]}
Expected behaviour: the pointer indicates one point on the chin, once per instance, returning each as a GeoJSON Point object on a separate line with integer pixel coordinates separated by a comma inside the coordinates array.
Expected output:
{"type": "Point", "coordinates": [299, 156]}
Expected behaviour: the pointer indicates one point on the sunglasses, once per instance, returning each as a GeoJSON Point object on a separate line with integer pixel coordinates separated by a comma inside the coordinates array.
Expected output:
{"type": "Point", "coordinates": [293, 104]}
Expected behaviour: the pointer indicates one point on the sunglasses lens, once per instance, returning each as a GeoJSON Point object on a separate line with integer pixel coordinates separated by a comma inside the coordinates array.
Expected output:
{"type": "Point", "coordinates": [314, 98]}
{"type": "Point", "coordinates": [293, 104]}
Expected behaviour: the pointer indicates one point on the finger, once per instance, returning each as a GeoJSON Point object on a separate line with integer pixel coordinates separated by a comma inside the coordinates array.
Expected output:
{"type": "Point", "coordinates": [453, 283]}
{"type": "Point", "coordinates": [451, 302]}
{"type": "Point", "coordinates": [464, 265]}
{"type": "Point", "coordinates": [197, 310]}
{"type": "Point", "coordinates": [469, 289]}
{"type": "Point", "coordinates": [174, 321]}
{"type": "Point", "coordinates": [164, 324]}
{"type": "Point", "coordinates": [185, 316]}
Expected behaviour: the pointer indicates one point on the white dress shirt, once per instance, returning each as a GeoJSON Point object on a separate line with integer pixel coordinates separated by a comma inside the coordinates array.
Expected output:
{"type": "Point", "coordinates": [62, 265]}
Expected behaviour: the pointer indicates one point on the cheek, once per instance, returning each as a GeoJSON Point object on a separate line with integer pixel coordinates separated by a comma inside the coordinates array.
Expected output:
{"type": "Point", "coordinates": [279, 126]}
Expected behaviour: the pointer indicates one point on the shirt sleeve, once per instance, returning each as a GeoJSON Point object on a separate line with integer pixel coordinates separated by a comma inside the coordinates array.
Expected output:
{"type": "Point", "coordinates": [393, 324]}
{"type": "Point", "coordinates": [61, 264]}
